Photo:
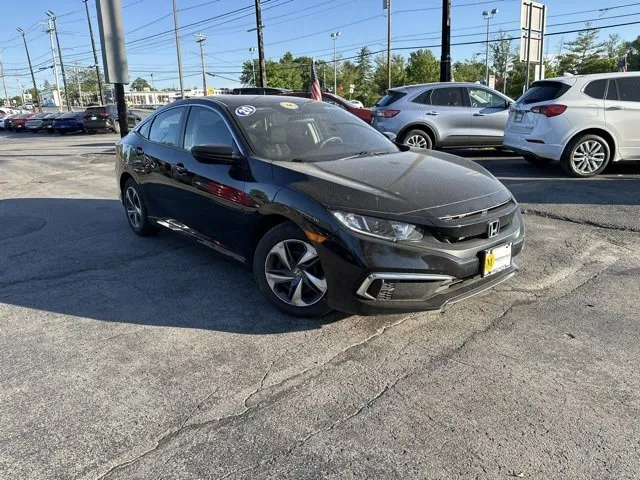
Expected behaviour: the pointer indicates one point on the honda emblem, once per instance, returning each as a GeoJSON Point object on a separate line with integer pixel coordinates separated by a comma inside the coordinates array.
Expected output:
{"type": "Point", "coordinates": [493, 229]}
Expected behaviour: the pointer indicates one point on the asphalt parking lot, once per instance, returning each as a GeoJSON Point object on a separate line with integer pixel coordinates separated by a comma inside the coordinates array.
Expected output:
{"type": "Point", "coordinates": [138, 358]}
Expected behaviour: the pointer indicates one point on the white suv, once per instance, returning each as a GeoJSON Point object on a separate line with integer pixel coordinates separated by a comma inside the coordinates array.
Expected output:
{"type": "Point", "coordinates": [583, 121]}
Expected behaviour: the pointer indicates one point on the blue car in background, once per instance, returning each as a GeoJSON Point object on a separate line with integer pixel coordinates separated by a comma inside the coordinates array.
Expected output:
{"type": "Point", "coordinates": [69, 122]}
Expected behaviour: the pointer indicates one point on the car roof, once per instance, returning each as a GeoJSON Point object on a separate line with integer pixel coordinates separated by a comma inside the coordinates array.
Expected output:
{"type": "Point", "coordinates": [234, 101]}
{"type": "Point", "coordinates": [439, 84]}
{"type": "Point", "coordinates": [571, 79]}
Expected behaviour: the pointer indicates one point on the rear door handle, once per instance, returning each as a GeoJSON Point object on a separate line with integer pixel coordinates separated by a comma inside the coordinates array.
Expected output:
{"type": "Point", "coordinates": [615, 107]}
{"type": "Point", "coordinates": [433, 113]}
{"type": "Point", "coordinates": [479, 114]}
{"type": "Point", "coordinates": [181, 169]}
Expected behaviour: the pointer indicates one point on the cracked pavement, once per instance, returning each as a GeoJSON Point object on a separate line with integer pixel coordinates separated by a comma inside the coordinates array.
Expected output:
{"type": "Point", "coordinates": [131, 358]}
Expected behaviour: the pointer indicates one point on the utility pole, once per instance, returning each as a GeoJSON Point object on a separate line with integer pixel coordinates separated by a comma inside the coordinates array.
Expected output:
{"type": "Point", "coordinates": [52, 16]}
{"type": "Point", "coordinates": [261, 61]}
{"type": "Point", "coordinates": [334, 37]}
{"type": "Point", "coordinates": [252, 50]}
{"type": "Point", "coordinates": [200, 39]}
{"type": "Point", "coordinates": [49, 30]}
{"type": "Point", "coordinates": [387, 5]}
{"type": "Point", "coordinates": [175, 28]}
{"type": "Point", "coordinates": [33, 77]}
{"type": "Point", "coordinates": [95, 55]}
{"type": "Point", "coordinates": [4, 84]}
{"type": "Point", "coordinates": [153, 91]}
{"type": "Point", "coordinates": [445, 56]}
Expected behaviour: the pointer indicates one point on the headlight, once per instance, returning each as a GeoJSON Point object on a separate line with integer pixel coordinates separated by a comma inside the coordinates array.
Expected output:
{"type": "Point", "coordinates": [379, 227]}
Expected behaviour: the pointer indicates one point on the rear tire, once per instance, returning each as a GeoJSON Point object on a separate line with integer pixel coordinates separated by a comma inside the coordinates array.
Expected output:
{"type": "Point", "coordinates": [532, 159]}
{"type": "Point", "coordinates": [136, 210]}
{"type": "Point", "coordinates": [586, 156]}
{"type": "Point", "coordinates": [288, 281]}
{"type": "Point", "coordinates": [418, 139]}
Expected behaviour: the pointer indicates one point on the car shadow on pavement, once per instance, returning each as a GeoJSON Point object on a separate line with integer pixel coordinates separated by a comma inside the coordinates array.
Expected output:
{"type": "Point", "coordinates": [78, 257]}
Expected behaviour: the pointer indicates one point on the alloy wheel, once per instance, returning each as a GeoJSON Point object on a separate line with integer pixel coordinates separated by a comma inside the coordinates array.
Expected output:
{"type": "Point", "coordinates": [294, 273]}
{"type": "Point", "coordinates": [588, 157]}
{"type": "Point", "coordinates": [134, 207]}
{"type": "Point", "coordinates": [417, 141]}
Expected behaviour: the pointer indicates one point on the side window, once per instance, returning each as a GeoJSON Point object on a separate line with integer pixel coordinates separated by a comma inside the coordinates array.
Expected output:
{"type": "Point", "coordinates": [143, 131]}
{"type": "Point", "coordinates": [206, 127]}
{"type": "Point", "coordinates": [596, 89]}
{"type": "Point", "coordinates": [424, 98]}
{"type": "Point", "coordinates": [629, 89]}
{"type": "Point", "coordinates": [447, 97]}
{"type": "Point", "coordinates": [166, 127]}
{"type": "Point", "coordinates": [481, 98]}
{"type": "Point", "coordinates": [612, 91]}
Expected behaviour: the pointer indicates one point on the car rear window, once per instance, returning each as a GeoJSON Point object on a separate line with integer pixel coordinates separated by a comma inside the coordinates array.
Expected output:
{"type": "Point", "coordinates": [392, 96]}
{"type": "Point", "coordinates": [94, 111]}
{"type": "Point", "coordinates": [596, 89]}
{"type": "Point", "coordinates": [544, 91]}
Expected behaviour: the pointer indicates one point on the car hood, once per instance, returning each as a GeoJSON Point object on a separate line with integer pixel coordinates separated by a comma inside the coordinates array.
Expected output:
{"type": "Point", "coordinates": [421, 185]}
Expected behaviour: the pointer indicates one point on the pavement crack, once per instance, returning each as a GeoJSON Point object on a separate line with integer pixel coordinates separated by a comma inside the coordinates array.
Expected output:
{"type": "Point", "coordinates": [564, 218]}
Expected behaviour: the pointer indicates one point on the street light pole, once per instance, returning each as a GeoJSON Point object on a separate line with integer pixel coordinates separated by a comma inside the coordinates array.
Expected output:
{"type": "Point", "coordinates": [52, 16]}
{"type": "Point", "coordinates": [175, 28]}
{"type": "Point", "coordinates": [4, 83]}
{"type": "Point", "coordinates": [55, 66]}
{"type": "Point", "coordinates": [252, 50]}
{"type": "Point", "coordinates": [200, 40]}
{"type": "Point", "coordinates": [33, 77]}
{"type": "Point", "coordinates": [95, 55]}
{"type": "Point", "coordinates": [445, 54]}
{"type": "Point", "coordinates": [334, 37]}
{"type": "Point", "coordinates": [488, 16]}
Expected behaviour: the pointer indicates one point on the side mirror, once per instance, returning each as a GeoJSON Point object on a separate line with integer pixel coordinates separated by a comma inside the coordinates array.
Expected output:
{"type": "Point", "coordinates": [390, 135]}
{"type": "Point", "coordinates": [213, 154]}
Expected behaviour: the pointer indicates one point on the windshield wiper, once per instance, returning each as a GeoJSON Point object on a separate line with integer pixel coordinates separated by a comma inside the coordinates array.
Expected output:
{"type": "Point", "coordinates": [364, 154]}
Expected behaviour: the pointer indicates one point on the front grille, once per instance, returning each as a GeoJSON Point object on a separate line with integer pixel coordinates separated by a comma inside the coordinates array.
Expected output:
{"type": "Point", "coordinates": [451, 239]}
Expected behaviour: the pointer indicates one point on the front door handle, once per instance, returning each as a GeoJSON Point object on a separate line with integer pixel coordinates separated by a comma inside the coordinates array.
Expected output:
{"type": "Point", "coordinates": [181, 169]}
{"type": "Point", "coordinates": [479, 114]}
{"type": "Point", "coordinates": [433, 113]}
{"type": "Point", "coordinates": [615, 107]}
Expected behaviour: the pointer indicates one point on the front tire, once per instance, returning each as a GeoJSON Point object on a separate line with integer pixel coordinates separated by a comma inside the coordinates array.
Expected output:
{"type": "Point", "coordinates": [136, 210]}
{"type": "Point", "coordinates": [418, 139]}
{"type": "Point", "coordinates": [288, 270]}
{"type": "Point", "coordinates": [586, 156]}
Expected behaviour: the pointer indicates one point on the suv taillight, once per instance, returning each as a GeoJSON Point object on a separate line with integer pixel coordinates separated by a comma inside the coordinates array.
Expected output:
{"type": "Point", "coordinates": [387, 113]}
{"type": "Point", "coordinates": [549, 110]}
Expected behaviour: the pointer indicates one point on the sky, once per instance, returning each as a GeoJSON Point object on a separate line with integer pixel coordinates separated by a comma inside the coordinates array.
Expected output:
{"type": "Point", "coordinates": [300, 26]}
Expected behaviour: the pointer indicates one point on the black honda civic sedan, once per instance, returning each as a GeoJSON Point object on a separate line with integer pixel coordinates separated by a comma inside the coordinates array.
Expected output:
{"type": "Point", "coordinates": [329, 213]}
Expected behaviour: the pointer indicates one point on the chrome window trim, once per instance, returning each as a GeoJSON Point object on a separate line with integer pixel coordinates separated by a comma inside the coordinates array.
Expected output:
{"type": "Point", "coordinates": [362, 291]}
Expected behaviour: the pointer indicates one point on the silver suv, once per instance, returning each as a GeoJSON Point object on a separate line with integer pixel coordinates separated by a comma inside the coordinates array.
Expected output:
{"type": "Point", "coordinates": [443, 115]}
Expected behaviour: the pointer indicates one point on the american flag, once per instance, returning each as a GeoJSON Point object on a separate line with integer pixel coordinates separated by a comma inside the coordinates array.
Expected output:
{"type": "Point", "coordinates": [316, 92]}
{"type": "Point", "coordinates": [622, 64]}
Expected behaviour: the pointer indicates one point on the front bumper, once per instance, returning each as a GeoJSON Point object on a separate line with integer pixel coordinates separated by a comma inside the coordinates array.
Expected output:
{"type": "Point", "coordinates": [368, 276]}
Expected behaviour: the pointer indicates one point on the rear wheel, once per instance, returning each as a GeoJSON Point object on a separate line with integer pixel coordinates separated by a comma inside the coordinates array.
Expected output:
{"type": "Point", "coordinates": [289, 272]}
{"type": "Point", "coordinates": [418, 139]}
{"type": "Point", "coordinates": [532, 159]}
{"type": "Point", "coordinates": [136, 210]}
{"type": "Point", "coordinates": [586, 156]}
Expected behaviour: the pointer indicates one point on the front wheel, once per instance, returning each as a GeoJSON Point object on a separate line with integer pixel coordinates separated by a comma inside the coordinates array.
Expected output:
{"type": "Point", "coordinates": [586, 156]}
{"type": "Point", "coordinates": [289, 272]}
{"type": "Point", "coordinates": [418, 139]}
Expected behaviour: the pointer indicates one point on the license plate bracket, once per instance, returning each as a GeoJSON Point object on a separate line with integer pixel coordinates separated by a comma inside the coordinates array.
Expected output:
{"type": "Point", "coordinates": [495, 260]}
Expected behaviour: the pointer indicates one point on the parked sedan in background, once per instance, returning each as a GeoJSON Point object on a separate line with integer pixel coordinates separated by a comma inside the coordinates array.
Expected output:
{"type": "Point", "coordinates": [5, 122]}
{"type": "Point", "coordinates": [338, 101]}
{"type": "Point", "coordinates": [68, 122]}
{"type": "Point", "coordinates": [436, 115]}
{"type": "Point", "coordinates": [18, 124]}
{"type": "Point", "coordinates": [47, 122]}
{"type": "Point", "coordinates": [329, 213]}
{"type": "Point", "coordinates": [34, 124]}
{"type": "Point", "coordinates": [584, 122]}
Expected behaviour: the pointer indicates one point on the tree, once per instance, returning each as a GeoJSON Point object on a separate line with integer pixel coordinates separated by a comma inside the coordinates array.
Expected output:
{"type": "Point", "coordinates": [633, 56]}
{"type": "Point", "coordinates": [586, 55]}
{"type": "Point", "coordinates": [470, 70]}
{"type": "Point", "coordinates": [380, 79]}
{"type": "Point", "coordinates": [364, 69]}
{"type": "Point", "coordinates": [17, 100]}
{"type": "Point", "coordinates": [139, 84]}
{"type": "Point", "coordinates": [422, 67]}
{"type": "Point", "coordinates": [502, 57]}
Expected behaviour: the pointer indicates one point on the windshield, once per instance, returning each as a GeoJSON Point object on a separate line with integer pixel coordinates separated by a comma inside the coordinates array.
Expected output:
{"type": "Point", "coordinates": [308, 131]}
